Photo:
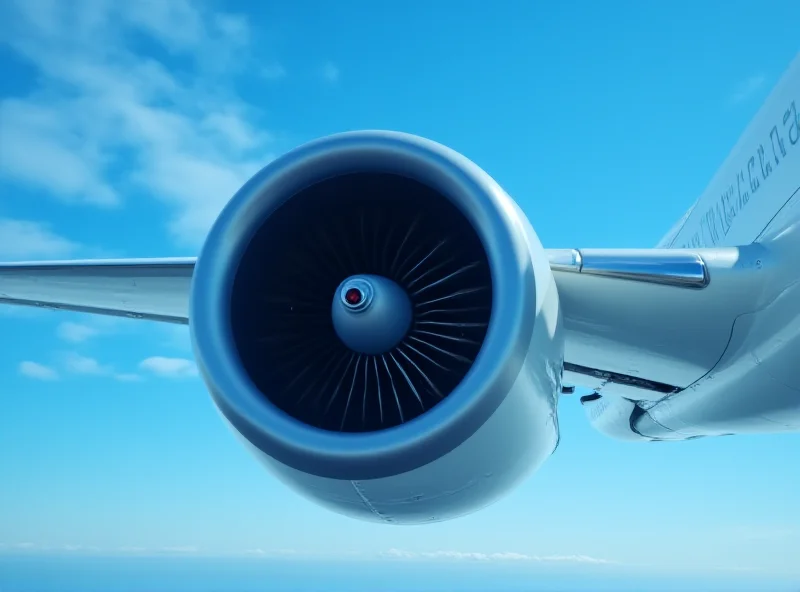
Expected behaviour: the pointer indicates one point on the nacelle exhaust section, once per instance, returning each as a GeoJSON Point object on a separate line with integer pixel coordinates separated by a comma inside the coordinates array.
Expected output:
{"type": "Point", "coordinates": [378, 321]}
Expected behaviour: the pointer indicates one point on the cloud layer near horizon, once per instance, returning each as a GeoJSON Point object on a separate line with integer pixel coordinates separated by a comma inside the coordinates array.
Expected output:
{"type": "Point", "coordinates": [390, 555]}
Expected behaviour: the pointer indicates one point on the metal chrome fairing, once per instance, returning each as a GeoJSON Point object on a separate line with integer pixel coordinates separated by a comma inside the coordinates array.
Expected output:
{"type": "Point", "coordinates": [269, 272]}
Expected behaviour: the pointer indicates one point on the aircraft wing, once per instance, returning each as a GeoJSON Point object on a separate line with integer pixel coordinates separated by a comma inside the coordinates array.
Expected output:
{"type": "Point", "coordinates": [652, 320]}
{"type": "Point", "coordinates": [152, 289]}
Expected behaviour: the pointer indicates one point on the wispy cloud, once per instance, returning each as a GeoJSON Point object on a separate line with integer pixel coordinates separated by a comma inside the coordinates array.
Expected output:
{"type": "Point", "coordinates": [37, 371]}
{"type": "Point", "coordinates": [188, 139]}
{"type": "Point", "coordinates": [84, 548]}
{"type": "Point", "coordinates": [266, 553]}
{"type": "Point", "coordinates": [271, 553]}
{"type": "Point", "coordinates": [25, 239]}
{"type": "Point", "coordinates": [169, 367]}
{"type": "Point", "coordinates": [180, 549]}
{"type": "Point", "coordinates": [76, 363]}
{"type": "Point", "coordinates": [47, 154]}
{"type": "Point", "coordinates": [747, 88]}
{"type": "Point", "coordinates": [29, 547]}
{"type": "Point", "coordinates": [498, 556]}
{"type": "Point", "coordinates": [75, 332]}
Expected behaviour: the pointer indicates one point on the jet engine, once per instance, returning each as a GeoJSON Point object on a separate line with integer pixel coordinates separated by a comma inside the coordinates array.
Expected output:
{"type": "Point", "coordinates": [377, 320]}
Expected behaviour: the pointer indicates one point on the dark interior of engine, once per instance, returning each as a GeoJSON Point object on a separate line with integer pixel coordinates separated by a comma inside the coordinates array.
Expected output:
{"type": "Point", "coordinates": [360, 223]}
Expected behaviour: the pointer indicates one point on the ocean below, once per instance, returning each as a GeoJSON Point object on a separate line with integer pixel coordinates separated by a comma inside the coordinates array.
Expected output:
{"type": "Point", "coordinates": [201, 574]}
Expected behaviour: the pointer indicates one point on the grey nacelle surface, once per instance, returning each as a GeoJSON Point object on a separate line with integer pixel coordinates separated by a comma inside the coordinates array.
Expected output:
{"type": "Point", "coordinates": [451, 418]}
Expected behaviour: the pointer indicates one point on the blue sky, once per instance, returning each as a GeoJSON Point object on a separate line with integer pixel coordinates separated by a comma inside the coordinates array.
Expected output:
{"type": "Point", "coordinates": [124, 130]}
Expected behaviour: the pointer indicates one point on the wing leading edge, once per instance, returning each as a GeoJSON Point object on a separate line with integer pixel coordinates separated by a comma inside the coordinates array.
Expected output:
{"type": "Point", "coordinates": [151, 289]}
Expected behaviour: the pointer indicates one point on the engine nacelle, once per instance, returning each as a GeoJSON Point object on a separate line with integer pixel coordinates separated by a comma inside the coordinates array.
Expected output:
{"type": "Point", "coordinates": [377, 319]}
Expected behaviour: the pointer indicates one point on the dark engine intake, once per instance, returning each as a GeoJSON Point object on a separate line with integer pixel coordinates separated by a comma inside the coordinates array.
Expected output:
{"type": "Point", "coordinates": [360, 224]}
{"type": "Point", "coordinates": [378, 321]}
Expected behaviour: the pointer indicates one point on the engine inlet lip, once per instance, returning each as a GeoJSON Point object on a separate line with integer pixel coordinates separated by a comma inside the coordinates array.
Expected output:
{"type": "Point", "coordinates": [403, 448]}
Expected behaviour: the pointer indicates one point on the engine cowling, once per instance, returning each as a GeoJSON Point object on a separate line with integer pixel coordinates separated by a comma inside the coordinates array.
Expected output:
{"type": "Point", "coordinates": [377, 320]}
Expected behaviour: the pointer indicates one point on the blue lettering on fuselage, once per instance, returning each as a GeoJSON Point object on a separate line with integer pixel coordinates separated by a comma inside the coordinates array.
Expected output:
{"type": "Point", "coordinates": [752, 176]}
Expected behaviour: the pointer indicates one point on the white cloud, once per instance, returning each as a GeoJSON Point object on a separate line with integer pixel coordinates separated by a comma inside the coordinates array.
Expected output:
{"type": "Point", "coordinates": [271, 553]}
{"type": "Point", "coordinates": [24, 239]}
{"type": "Point", "coordinates": [392, 554]}
{"type": "Point", "coordinates": [169, 367]}
{"type": "Point", "coordinates": [331, 72]}
{"type": "Point", "coordinates": [501, 556]}
{"type": "Point", "coordinates": [39, 149]}
{"type": "Point", "coordinates": [78, 364]}
{"type": "Point", "coordinates": [75, 332]}
{"type": "Point", "coordinates": [85, 366]}
{"type": "Point", "coordinates": [24, 546]}
{"type": "Point", "coordinates": [80, 548]}
{"type": "Point", "coordinates": [38, 547]}
{"type": "Point", "coordinates": [107, 119]}
{"type": "Point", "coordinates": [37, 371]}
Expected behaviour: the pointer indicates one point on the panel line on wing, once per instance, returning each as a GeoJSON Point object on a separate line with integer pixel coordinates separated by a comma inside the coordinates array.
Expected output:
{"type": "Point", "coordinates": [624, 379]}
